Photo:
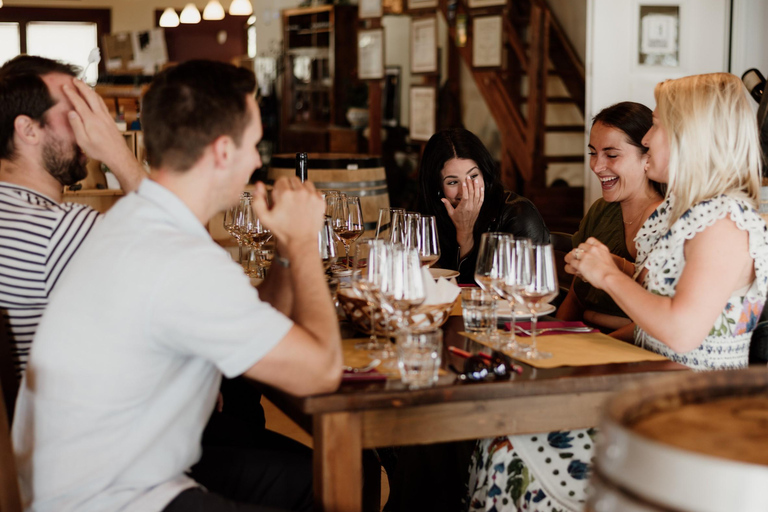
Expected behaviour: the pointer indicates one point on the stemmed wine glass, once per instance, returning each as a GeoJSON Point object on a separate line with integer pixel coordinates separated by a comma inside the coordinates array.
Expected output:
{"type": "Point", "coordinates": [537, 286]}
{"type": "Point", "coordinates": [368, 269]}
{"type": "Point", "coordinates": [411, 232]}
{"type": "Point", "coordinates": [253, 234]}
{"type": "Point", "coordinates": [327, 244]}
{"type": "Point", "coordinates": [515, 268]}
{"type": "Point", "coordinates": [385, 223]}
{"type": "Point", "coordinates": [428, 244]}
{"type": "Point", "coordinates": [403, 286]}
{"type": "Point", "coordinates": [230, 223]}
{"type": "Point", "coordinates": [489, 271]}
{"type": "Point", "coordinates": [348, 221]}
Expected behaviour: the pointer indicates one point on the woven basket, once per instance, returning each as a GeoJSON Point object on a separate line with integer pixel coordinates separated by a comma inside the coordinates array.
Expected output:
{"type": "Point", "coordinates": [422, 319]}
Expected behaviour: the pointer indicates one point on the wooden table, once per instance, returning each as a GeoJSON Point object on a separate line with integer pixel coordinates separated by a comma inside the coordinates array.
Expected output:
{"type": "Point", "coordinates": [371, 415]}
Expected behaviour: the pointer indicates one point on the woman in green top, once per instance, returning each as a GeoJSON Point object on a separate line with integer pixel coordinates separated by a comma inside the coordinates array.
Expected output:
{"type": "Point", "coordinates": [618, 159]}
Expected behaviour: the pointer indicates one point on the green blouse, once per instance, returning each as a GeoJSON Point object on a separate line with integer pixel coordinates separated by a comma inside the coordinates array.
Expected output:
{"type": "Point", "coordinates": [604, 222]}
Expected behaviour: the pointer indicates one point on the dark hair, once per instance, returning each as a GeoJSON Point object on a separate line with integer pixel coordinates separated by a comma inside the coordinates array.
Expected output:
{"type": "Point", "coordinates": [442, 147]}
{"type": "Point", "coordinates": [634, 119]}
{"type": "Point", "coordinates": [190, 105]}
{"type": "Point", "coordinates": [24, 93]}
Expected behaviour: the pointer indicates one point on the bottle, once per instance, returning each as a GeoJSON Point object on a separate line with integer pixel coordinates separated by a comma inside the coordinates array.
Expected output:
{"type": "Point", "coordinates": [302, 166]}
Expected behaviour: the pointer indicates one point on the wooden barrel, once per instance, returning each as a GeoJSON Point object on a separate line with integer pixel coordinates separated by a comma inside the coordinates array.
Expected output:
{"type": "Point", "coordinates": [352, 174]}
{"type": "Point", "coordinates": [693, 442]}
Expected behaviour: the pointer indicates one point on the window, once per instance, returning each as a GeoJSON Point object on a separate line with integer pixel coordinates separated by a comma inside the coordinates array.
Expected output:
{"type": "Point", "coordinates": [64, 34]}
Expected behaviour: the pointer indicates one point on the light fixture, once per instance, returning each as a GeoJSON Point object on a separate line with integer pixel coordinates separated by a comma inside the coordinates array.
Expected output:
{"type": "Point", "coordinates": [169, 19]}
{"type": "Point", "coordinates": [213, 11]}
{"type": "Point", "coordinates": [240, 8]}
{"type": "Point", "coordinates": [190, 15]}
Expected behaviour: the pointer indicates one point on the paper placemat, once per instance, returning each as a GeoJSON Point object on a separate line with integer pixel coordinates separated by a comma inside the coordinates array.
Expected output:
{"type": "Point", "coordinates": [580, 350]}
{"type": "Point", "coordinates": [359, 358]}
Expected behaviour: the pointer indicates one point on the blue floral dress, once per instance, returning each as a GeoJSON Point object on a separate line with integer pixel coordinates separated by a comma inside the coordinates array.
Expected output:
{"type": "Point", "coordinates": [549, 472]}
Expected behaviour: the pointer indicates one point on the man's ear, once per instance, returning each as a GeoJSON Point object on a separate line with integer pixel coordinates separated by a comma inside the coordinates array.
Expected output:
{"type": "Point", "coordinates": [222, 148]}
{"type": "Point", "coordinates": [27, 130]}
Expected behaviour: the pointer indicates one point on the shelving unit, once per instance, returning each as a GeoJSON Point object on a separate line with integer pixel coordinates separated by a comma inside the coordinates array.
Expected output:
{"type": "Point", "coordinates": [320, 67]}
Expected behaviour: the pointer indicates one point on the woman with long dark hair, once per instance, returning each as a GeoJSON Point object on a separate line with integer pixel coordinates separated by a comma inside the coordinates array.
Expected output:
{"type": "Point", "coordinates": [460, 186]}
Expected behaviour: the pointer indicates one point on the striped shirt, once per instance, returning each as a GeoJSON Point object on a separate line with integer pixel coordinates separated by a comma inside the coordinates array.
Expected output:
{"type": "Point", "coordinates": [38, 238]}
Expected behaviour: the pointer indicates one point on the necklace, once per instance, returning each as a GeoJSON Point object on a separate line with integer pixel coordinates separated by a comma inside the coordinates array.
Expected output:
{"type": "Point", "coordinates": [636, 219]}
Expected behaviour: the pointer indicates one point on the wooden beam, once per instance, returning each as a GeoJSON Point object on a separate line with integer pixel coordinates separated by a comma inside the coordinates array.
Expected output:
{"type": "Point", "coordinates": [537, 93]}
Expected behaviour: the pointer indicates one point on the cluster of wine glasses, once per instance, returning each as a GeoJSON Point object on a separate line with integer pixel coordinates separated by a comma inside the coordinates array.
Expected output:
{"type": "Point", "coordinates": [388, 277]}
{"type": "Point", "coordinates": [521, 272]}
{"type": "Point", "coordinates": [346, 217]}
{"type": "Point", "coordinates": [242, 223]}
{"type": "Point", "coordinates": [412, 230]}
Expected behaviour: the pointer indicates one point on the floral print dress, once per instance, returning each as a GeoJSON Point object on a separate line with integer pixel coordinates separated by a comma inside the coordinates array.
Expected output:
{"type": "Point", "coordinates": [549, 472]}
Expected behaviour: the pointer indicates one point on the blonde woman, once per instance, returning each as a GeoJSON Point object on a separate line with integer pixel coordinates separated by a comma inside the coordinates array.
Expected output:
{"type": "Point", "coordinates": [703, 254]}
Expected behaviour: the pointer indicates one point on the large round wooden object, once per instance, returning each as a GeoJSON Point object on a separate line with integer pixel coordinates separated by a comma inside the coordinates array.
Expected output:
{"type": "Point", "coordinates": [696, 442]}
{"type": "Point", "coordinates": [352, 174]}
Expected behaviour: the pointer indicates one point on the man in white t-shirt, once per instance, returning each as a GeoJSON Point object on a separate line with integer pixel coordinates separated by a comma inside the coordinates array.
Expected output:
{"type": "Point", "coordinates": [50, 123]}
{"type": "Point", "coordinates": [125, 368]}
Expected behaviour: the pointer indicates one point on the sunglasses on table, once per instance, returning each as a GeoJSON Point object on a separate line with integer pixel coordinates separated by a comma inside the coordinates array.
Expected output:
{"type": "Point", "coordinates": [485, 368]}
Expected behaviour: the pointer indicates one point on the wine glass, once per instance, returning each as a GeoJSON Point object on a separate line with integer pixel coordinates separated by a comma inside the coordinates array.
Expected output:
{"type": "Point", "coordinates": [515, 263]}
{"type": "Point", "coordinates": [384, 224]}
{"type": "Point", "coordinates": [488, 268]}
{"type": "Point", "coordinates": [330, 196]}
{"type": "Point", "coordinates": [537, 286]}
{"type": "Point", "coordinates": [348, 221]}
{"type": "Point", "coordinates": [368, 267]}
{"type": "Point", "coordinates": [411, 231]}
{"type": "Point", "coordinates": [397, 230]}
{"type": "Point", "coordinates": [327, 244]}
{"type": "Point", "coordinates": [403, 286]}
{"type": "Point", "coordinates": [230, 224]}
{"type": "Point", "coordinates": [428, 244]}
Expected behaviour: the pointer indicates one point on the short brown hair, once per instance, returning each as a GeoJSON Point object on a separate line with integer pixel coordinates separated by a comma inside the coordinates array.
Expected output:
{"type": "Point", "coordinates": [190, 105]}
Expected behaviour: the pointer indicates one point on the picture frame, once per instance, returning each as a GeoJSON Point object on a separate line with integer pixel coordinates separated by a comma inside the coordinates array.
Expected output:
{"type": "Point", "coordinates": [424, 45]}
{"type": "Point", "coordinates": [423, 102]}
{"type": "Point", "coordinates": [476, 4]}
{"type": "Point", "coordinates": [414, 5]}
{"type": "Point", "coordinates": [370, 9]}
{"type": "Point", "coordinates": [370, 54]}
{"type": "Point", "coordinates": [487, 33]}
{"type": "Point", "coordinates": [659, 35]}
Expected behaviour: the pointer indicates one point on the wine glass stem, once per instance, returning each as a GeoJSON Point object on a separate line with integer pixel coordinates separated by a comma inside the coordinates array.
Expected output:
{"type": "Point", "coordinates": [533, 331]}
{"type": "Point", "coordinates": [346, 254]}
{"type": "Point", "coordinates": [512, 337]}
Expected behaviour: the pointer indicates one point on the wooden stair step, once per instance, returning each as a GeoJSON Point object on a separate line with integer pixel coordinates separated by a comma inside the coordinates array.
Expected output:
{"type": "Point", "coordinates": [564, 128]}
{"type": "Point", "coordinates": [564, 159]}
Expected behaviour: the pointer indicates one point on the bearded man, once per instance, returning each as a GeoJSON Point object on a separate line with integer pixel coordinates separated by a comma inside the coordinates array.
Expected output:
{"type": "Point", "coordinates": [50, 123]}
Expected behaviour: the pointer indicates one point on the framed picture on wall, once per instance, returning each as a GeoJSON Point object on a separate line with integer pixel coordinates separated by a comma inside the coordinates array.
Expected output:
{"type": "Point", "coordinates": [487, 32]}
{"type": "Point", "coordinates": [473, 4]}
{"type": "Point", "coordinates": [659, 42]}
{"type": "Point", "coordinates": [424, 45]}
{"type": "Point", "coordinates": [423, 105]}
{"type": "Point", "coordinates": [369, 9]}
{"type": "Point", "coordinates": [370, 54]}
{"type": "Point", "coordinates": [421, 4]}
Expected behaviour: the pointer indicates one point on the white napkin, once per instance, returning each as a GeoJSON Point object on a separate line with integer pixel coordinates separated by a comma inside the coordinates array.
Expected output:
{"type": "Point", "coordinates": [438, 291]}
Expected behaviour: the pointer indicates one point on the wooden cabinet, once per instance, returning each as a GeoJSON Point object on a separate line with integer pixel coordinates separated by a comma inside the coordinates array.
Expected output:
{"type": "Point", "coordinates": [320, 66]}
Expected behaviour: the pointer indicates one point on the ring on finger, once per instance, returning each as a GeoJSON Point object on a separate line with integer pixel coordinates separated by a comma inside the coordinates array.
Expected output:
{"type": "Point", "coordinates": [577, 254]}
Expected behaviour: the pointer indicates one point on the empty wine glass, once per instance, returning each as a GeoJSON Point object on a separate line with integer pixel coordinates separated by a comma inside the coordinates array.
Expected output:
{"type": "Point", "coordinates": [327, 244]}
{"type": "Point", "coordinates": [397, 229]}
{"type": "Point", "coordinates": [488, 269]}
{"type": "Point", "coordinates": [538, 286]}
{"type": "Point", "coordinates": [330, 197]}
{"type": "Point", "coordinates": [411, 231]}
{"type": "Point", "coordinates": [348, 221]}
{"type": "Point", "coordinates": [403, 285]}
{"type": "Point", "coordinates": [230, 223]}
{"type": "Point", "coordinates": [384, 224]}
{"type": "Point", "coordinates": [368, 268]}
{"type": "Point", "coordinates": [428, 244]}
{"type": "Point", "coordinates": [515, 260]}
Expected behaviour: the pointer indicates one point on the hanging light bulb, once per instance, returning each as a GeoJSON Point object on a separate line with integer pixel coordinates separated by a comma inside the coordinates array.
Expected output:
{"type": "Point", "coordinates": [190, 15]}
{"type": "Point", "coordinates": [240, 8]}
{"type": "Point", "coordinates": [213, 11]}
{"type": "Point", "coordinates": [169, 19]}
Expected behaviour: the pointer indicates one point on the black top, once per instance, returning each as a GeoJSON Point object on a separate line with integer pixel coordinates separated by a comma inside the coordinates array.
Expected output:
{"type": "Point", "coordinates": [517, 216]}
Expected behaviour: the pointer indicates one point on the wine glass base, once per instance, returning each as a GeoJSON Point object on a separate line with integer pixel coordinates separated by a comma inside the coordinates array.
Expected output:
{"type": "Point", "coordinates": [534, 354]}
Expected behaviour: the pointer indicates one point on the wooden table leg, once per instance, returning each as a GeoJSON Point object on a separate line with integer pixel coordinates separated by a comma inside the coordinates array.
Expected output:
{"type": "Point", "coordinates": [338, 462]}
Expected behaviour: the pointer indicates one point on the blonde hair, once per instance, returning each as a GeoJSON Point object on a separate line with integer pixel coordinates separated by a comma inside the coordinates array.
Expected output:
{"type": "Point", "coordinates": [714, 147]}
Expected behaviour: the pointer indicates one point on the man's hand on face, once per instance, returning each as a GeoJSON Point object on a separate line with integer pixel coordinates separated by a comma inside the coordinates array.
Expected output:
{"type": "Point", "coordinates": [95, 130]}
{"type": "Point", "coordinates": [297, 213]}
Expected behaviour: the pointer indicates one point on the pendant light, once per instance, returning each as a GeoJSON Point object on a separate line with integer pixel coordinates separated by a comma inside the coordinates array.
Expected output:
{"type": "Point", "coordinates": [169, 19]}
{"type": "Point", "coordinates": [190, 15]}
{"type": "Point", "coordinates": [240, 8]}
{"type": "Point", "coordinates": [213, 11]}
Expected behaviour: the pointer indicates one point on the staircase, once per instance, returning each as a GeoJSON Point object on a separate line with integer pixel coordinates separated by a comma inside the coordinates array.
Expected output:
{"type": "Point", "coordinates": [537, 101]}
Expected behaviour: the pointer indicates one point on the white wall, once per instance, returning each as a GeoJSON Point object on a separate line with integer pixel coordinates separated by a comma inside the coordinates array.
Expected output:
{"type": "Point", "coordinates": [749, 40]}
{"type": "Point", "coordinates": [572, 15]}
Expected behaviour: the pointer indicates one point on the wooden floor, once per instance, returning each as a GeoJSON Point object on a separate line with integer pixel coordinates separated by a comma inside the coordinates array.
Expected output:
{"type": "Point", "coordinates": [279, 422]}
